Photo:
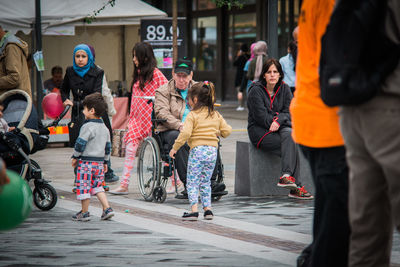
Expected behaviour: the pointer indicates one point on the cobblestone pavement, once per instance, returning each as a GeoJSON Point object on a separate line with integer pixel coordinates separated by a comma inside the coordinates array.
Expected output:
{"type": "Point", "coordinates": [246, 231]}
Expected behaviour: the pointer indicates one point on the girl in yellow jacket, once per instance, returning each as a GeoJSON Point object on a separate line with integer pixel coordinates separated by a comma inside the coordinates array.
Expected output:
{"type": "Point", "coordinates": [201, 130]}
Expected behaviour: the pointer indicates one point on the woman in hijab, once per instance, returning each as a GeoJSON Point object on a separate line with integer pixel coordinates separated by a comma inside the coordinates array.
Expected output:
{"type": "Point", "coordinates": [81, 79]}
{"type": "Point", "coordinates": [260, 57]}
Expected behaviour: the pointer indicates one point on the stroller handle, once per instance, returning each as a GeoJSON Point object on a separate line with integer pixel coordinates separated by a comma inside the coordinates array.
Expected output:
{"type": "Point", "coordinates": [56, 121]}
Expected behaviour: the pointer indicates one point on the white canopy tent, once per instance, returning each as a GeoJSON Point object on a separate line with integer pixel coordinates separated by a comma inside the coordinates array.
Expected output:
{"type": "Point", "coordinates": [59, 17]}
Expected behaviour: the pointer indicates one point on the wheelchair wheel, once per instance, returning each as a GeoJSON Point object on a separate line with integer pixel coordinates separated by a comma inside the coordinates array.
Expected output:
{"type": "Point", "coordinates": [149, 167]}
{"type": "Point", "coordinates": [159, 194]}
{"type": "Point", "coordinates": [50, 197]}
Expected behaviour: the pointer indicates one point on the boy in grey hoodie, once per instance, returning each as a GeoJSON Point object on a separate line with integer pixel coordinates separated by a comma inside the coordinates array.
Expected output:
{"type": "Point", "coordinates": [91, 155]}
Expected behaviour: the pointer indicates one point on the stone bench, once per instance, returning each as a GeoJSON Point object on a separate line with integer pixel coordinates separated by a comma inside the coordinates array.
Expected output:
{"type": "Point", "coordinates": [257, 172]}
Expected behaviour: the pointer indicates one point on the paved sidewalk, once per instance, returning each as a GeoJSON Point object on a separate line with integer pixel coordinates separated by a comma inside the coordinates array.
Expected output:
{"type": "Point", "coordinates": [262, 231]}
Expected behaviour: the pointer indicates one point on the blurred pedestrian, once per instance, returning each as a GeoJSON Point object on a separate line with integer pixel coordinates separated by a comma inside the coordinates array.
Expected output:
{"type": "Point", "coordinates": [256, 64]}
{"type": "Point", "coordinates": [245, 81]}
{"type": "Point", "coordinates": [372, 137]}
{"type": "Point", "coordinates": [201, 130]}
{"type": "Point", "coordinates": [146, 79]}
{"type": "Point", "coordinates": [14, 72]}
{"type": "Point", "coordinates": [269, 125]}
{"type": "Point", "coordinates": [316, 129]}
{"type": "Point", "coordinates": [288, 63]}
{"type": "Point", "coordinates": [54, 83]}
{"type": "Point", "coordinates": [241, 58]}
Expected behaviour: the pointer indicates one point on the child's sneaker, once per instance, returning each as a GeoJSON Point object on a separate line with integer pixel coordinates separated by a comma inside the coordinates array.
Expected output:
{"type": "Point", "coordinates": [300, 193]}
{"type": "Point", "coordinates": [208, 215]}
{"type": "Point", "coordinates": [83, 217]}
{"type": "Point", "coordinates": [192, 216]}
{"type": "Point", "coordinates": [107, 214]}
{"type": "Point", "coordinates": [287, 182]}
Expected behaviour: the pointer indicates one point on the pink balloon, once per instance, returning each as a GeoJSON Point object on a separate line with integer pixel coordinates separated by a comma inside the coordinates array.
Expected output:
{"type": "Point", "coordinates": [52, 105]}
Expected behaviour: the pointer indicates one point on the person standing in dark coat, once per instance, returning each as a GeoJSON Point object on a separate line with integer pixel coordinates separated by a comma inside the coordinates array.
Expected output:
{"type": "Point", "coordinates": [241, 59]}
{"type": "Point", "coordinates": [270, 127]}
{"type": "Point", "coordinates": [82, 79]}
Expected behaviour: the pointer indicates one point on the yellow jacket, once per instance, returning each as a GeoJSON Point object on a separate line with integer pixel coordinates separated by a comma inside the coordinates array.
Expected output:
{"type": "Point", "coordinates": [200, 129]}
{"type": "Point", "coordinates": [314, 123]}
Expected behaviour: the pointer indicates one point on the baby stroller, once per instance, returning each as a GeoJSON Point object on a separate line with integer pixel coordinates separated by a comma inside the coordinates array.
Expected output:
{"type": "Point", "coordinates": [28, 137]}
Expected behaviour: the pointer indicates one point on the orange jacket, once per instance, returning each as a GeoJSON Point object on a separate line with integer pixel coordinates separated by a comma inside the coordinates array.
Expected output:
{"type": "Point", "coordinates": [314, 123]}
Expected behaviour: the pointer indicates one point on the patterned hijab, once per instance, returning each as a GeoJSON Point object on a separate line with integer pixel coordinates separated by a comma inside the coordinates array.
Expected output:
{"type": "Point", "coordinates": [81, 71]}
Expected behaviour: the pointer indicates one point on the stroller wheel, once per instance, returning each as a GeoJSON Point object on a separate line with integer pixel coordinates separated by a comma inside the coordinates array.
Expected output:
{"type": "Point", "coordinates": [50, 197]}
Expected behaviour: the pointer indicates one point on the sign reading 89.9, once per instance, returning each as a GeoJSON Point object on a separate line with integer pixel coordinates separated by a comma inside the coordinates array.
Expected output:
{"type": "Point", "coordinates": [159, 33]}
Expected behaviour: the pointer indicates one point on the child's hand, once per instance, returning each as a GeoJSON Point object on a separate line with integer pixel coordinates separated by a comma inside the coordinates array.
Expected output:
{"type": "Point", "coordinates": [74, 163]}
{"type": "Point", "coordinates": [172, 153]}
{"type": "Point", "coordinates": [12, 128]}
{"type": "Point", "coordinates": [105, 168]}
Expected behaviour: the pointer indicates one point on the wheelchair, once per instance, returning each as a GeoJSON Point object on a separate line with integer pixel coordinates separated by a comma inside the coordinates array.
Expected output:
{"type": "Point", "coordinates": [155, 166]}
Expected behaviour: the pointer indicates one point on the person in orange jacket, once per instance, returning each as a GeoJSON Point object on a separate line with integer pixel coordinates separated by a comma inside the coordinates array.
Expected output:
{"type": "Point", "coordinates": [316, 130]}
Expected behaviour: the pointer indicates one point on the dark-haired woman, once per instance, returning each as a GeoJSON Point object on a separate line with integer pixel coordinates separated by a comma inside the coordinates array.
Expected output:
{"type": "Point", "coordinates": [269, 124]}
{"type": "Point", "coordinates": [146, 79]}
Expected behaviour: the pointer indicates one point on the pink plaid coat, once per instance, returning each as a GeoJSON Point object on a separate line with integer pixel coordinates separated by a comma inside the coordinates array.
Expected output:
{"type": "Point", "coordinates": [139, 124]}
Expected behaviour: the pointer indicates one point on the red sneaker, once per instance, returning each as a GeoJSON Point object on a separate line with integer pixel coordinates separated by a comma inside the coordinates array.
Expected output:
{"type": "Point", "coordinates": [287, 182]}
{"type": "Point", "coordinates": [300, 193]}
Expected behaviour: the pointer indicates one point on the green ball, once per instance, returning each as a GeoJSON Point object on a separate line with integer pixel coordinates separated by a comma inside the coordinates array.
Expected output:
{"type": "Point", "coordinates": [15, 201]}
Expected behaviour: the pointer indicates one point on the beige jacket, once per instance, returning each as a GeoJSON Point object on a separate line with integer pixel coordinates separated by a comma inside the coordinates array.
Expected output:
{"type": "Point", "coordinates": [200, 129]}
{"type": "Point", "coordinates": [14, 73]}
{"type": "Point", "coordinates": [169, 105]}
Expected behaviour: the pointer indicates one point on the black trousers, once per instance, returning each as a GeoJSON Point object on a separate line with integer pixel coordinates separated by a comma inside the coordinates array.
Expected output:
{"type": "Point", "coordinates": [181, 156]}
{"type": "Point", "coordinates": [331, 229]}
{"type": "Point", "coordinates": [282, 144]}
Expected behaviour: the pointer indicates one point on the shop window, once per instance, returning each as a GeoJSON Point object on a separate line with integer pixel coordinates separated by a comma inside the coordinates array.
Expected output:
{"type": "Point", "coordinates": [204, 42]}
{"type": "Point", "coordinates": [242, 30]}
{"type": "Point", "coordinates": [288, 13]}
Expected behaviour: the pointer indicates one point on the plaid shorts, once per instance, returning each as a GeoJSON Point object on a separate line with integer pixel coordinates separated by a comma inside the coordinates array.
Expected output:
{"type": "Point", "coordinates": [89, 179]}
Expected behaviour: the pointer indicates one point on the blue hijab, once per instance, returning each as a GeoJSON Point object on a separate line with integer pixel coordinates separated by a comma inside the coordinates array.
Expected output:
{"type": "Point", "coordinates": [81, 71]}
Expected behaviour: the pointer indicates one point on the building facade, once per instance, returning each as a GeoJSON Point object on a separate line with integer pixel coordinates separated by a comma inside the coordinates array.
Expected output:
{"type": "Point", "coordinates": [214, 35]}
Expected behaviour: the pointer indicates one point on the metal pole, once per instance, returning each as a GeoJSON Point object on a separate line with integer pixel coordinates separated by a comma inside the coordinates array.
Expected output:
{"type": "Point", "coordinates": [38, 35]}
{"type": "Point", "coordinates": [174, 30]}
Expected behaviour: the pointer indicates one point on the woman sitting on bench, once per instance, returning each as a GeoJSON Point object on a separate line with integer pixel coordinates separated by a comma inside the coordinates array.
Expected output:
{"type": "Point", "coordinates": [269, 124]}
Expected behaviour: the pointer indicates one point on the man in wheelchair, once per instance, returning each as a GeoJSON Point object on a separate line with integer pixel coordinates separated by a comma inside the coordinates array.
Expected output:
{"type": "Point", "coordinates": [171, 104]}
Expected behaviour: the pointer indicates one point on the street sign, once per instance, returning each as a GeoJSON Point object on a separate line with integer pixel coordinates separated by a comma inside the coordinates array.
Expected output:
{"type": "Point", "coordinates": [159, 33]}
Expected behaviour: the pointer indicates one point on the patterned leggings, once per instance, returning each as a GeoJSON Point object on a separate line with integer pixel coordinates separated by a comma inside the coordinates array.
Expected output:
{"type": "Point", "coordinates": [201, 165]}
{"type": "Point", "coordinates": [130, 151]}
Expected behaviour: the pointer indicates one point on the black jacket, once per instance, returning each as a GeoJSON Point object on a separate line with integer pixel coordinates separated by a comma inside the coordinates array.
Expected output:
{"type": "Point", "coordinates": [239, 64]}
{"type": "Point", "coordinates": [264, 109]}
{"type": "Point", "coordinates": [80, 87]}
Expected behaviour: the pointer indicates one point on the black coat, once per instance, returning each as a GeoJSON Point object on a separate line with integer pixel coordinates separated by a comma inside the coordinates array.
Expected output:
{"type": "Point", "coordinates": [80, 87]}
{"type": "Point", "coordinates": [264, 109]}
{"type": "Point", "coordinates": [239, 64]}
